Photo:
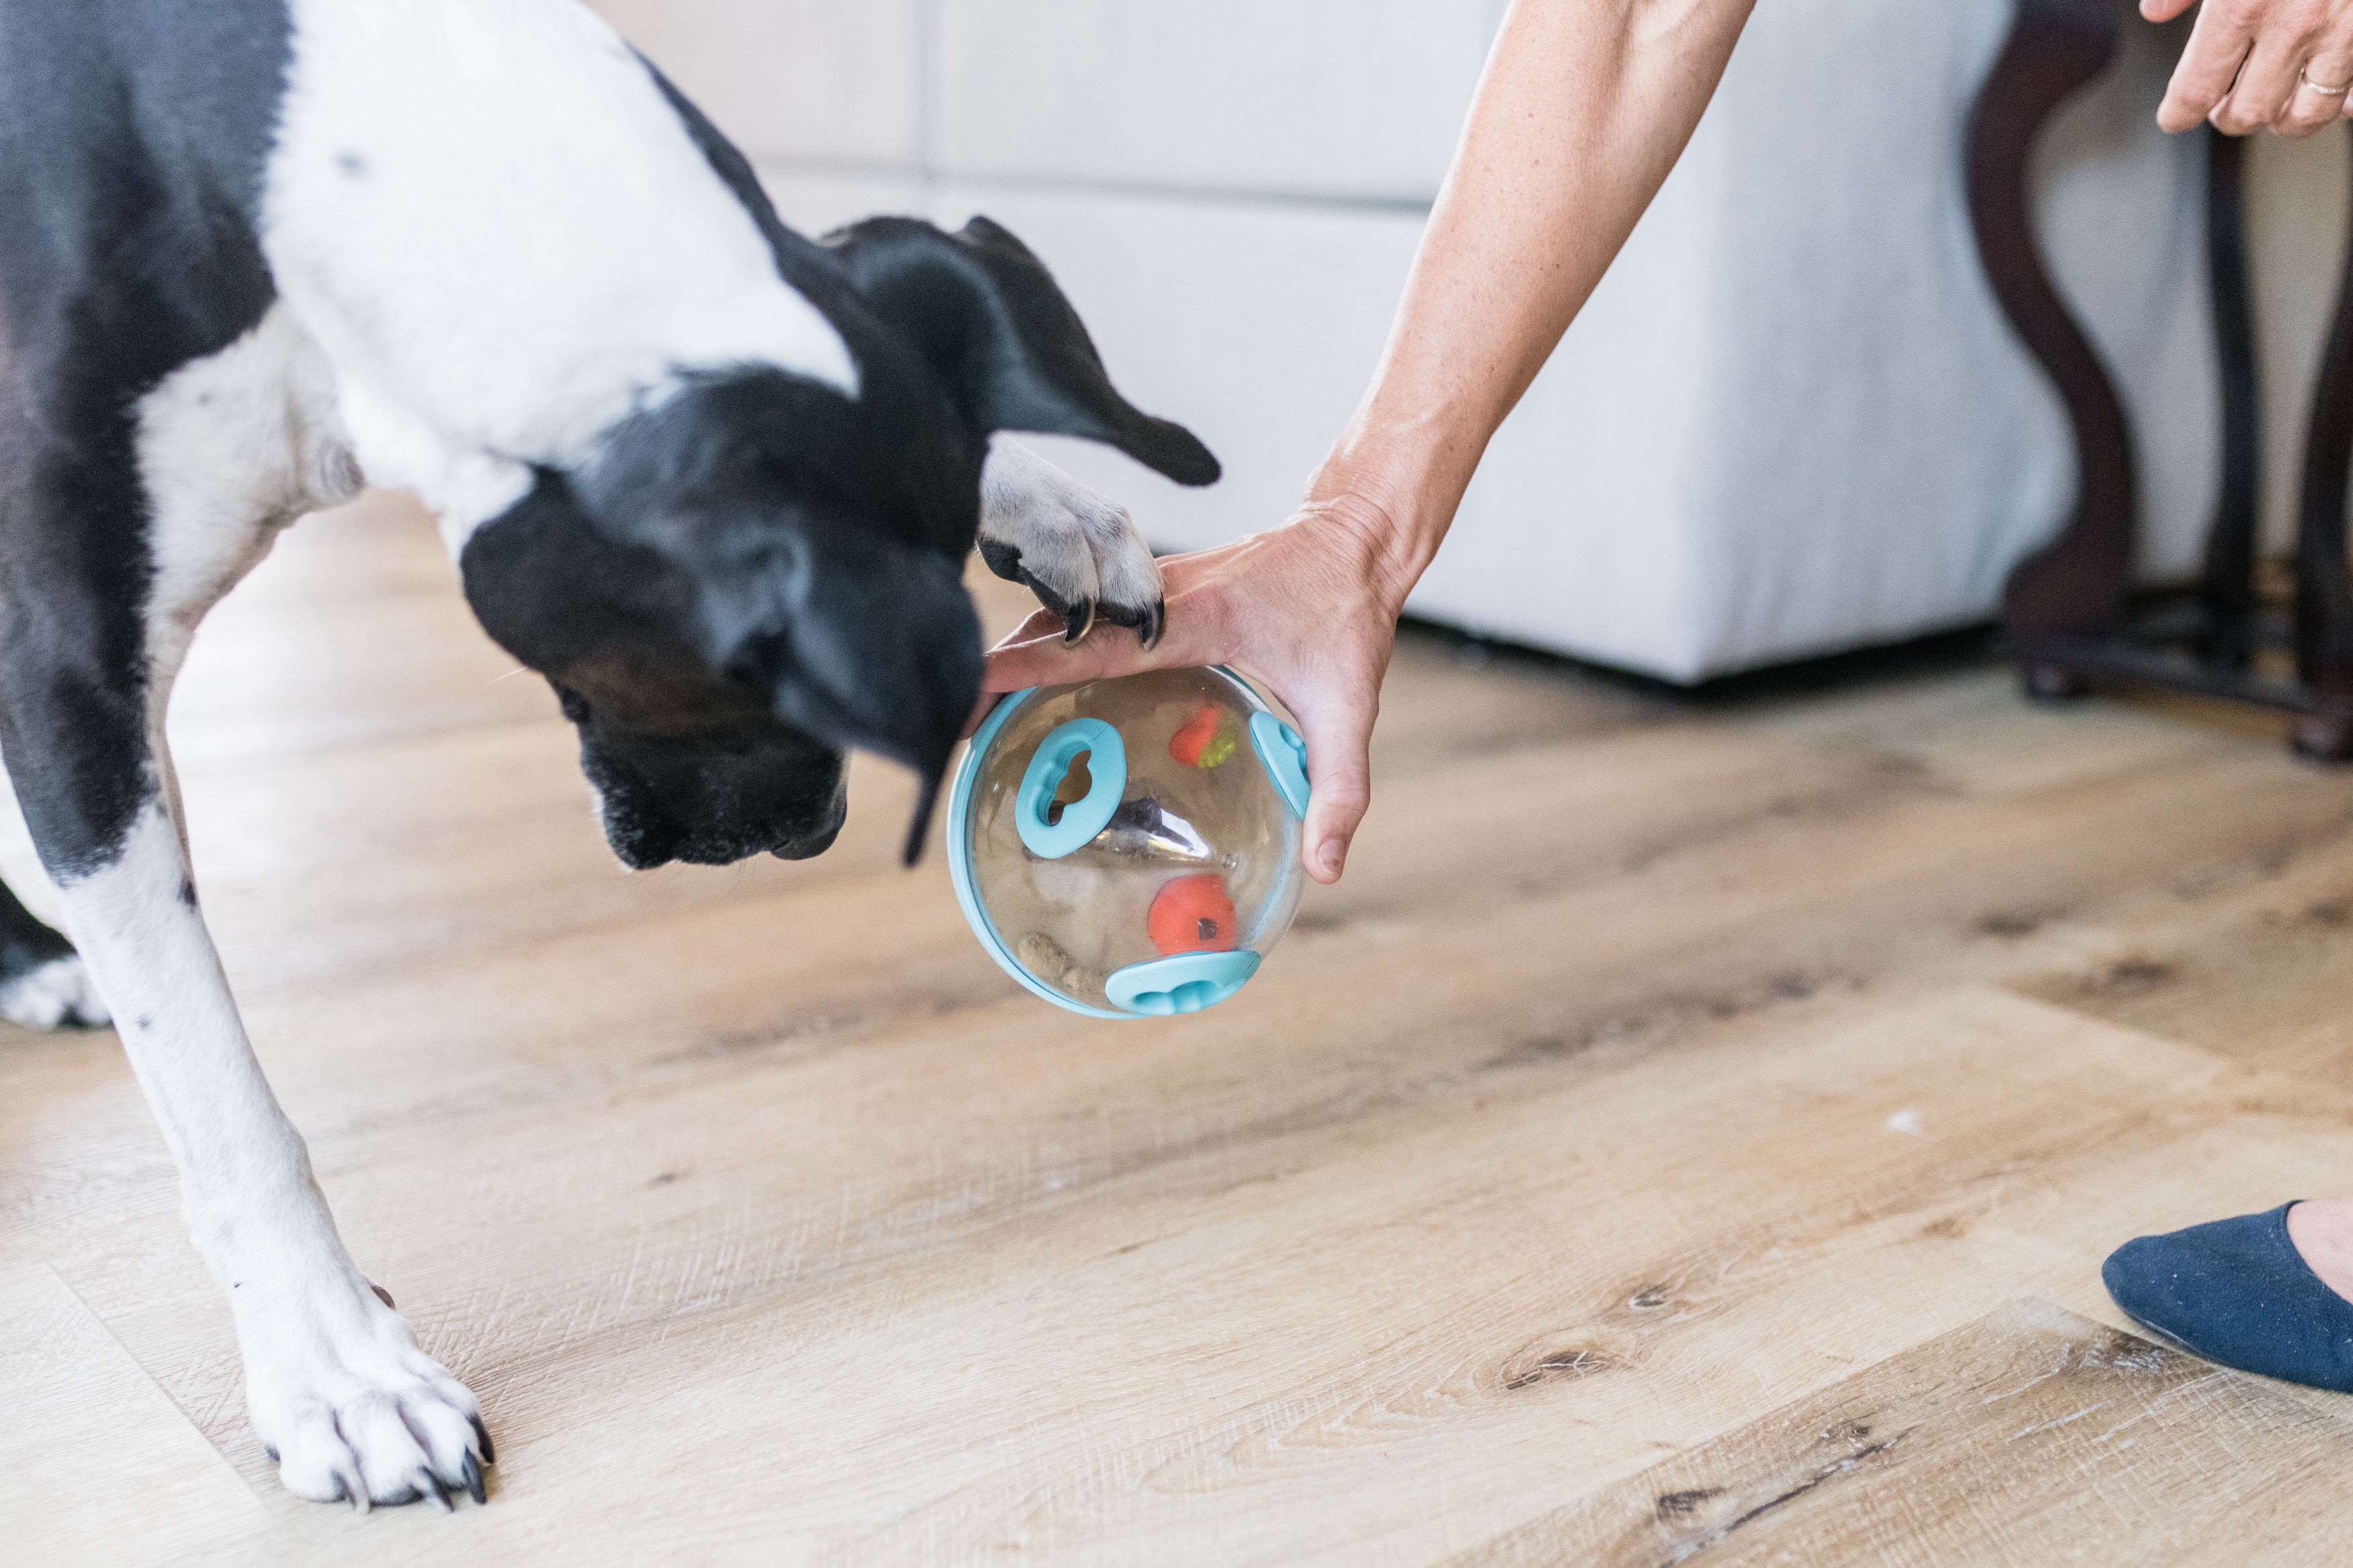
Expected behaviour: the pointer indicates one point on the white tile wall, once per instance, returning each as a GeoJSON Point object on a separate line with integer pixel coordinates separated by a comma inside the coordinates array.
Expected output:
{"type": "Point", "coordinates": [814, 201]}
{"type": "Point", "coordinates": [821, 81]}
{"type": "Point", "coordinates": [1348, 98]}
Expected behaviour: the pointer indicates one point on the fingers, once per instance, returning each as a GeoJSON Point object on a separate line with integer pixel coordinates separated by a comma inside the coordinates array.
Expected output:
{"type": "Point", "coordinates": [2254, 64]}
{"type": "Point", "coordinates": [2164, 10]}
{"type": "Point", "coordinates": [1339, 738]}
{"type": "Point", "coordinates": [2208, 67]}
{"type": "Point", "coordinates": [1039, 653]}
{"type": "Point", "coordinates": [2268, 79]}
{"type": "Point", "coordinates": [2309, 108]}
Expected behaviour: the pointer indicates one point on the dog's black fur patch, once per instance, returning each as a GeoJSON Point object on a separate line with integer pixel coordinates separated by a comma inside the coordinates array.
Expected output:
{"type": "Point", "coordinates": [133, 140]}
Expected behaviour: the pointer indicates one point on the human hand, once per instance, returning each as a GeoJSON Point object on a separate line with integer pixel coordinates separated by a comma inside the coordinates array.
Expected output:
{"type": "Point", "coordinates": [1309, 609]}
{"type": "Point", "coordinates": [2252, 64]}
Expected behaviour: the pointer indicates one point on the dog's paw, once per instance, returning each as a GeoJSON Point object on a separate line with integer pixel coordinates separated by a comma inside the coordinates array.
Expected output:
{"type": "Point", "coordinates": [354, 1412]}
{"type": "Point", "coordinates": [1079, 552]}
{"type": "Point", "coordinates": [58, 995]}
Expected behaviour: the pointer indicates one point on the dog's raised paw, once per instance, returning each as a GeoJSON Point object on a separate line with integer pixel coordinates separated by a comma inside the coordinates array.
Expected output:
{"type": "Point", "coordinates": [59, 994]}
{"type": "Point", "coordinates": [354, 1413]}
{"type": "Point", "coordinates": [1079, 552]}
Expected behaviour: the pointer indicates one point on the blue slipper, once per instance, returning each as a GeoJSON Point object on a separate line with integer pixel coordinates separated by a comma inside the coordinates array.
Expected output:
{"type": "Point", "coordinates": [2238, 1293]}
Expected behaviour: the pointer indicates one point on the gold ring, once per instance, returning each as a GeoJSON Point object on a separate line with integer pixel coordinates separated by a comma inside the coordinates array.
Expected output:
{"type": "Point", "coordinates": [2325, 92]}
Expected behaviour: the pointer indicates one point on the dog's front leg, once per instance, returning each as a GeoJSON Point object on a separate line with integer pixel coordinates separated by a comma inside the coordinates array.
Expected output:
{"type": "Point", "coordinates": [336, 1386]}
{"type": "Point", "coordinates": [1076, 549]}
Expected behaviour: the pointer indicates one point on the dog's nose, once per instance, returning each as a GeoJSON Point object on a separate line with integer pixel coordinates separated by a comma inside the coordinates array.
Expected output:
{"type": "Point", "coordinates": [808, 848]}
{"type": "Point", "coordinates": [810, 845]}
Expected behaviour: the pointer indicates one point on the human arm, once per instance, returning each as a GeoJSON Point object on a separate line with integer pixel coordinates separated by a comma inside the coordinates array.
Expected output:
{"type": "Point", "coordinates": [1584, 107]}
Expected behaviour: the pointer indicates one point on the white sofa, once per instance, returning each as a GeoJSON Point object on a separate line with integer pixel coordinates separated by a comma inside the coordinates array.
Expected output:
{"type": "Point", "coordinates": [1791, 420]}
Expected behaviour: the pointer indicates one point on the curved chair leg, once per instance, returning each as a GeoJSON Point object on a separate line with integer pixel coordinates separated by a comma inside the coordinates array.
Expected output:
{"type": "Point", "coordinates": [2324, 595]}
{"type": "Point", "coordinates": [2227, 590]}
{"type": "Point", "coordinates": [2077, 583]}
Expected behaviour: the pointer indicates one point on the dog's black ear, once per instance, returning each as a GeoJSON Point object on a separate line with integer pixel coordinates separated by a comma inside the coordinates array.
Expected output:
{"type": "Point", "coordinates": [991, 318]}
{"type": "Point", "coordinates": [861, 642]}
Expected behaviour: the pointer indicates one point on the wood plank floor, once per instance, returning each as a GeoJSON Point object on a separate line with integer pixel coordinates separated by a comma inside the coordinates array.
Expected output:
{"type": "Point", "coordinates": [1691, 1134]}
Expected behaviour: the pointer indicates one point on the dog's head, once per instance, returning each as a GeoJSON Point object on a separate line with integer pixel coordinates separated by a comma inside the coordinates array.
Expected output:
{"type": "Point", "coordinates": [758, 572]}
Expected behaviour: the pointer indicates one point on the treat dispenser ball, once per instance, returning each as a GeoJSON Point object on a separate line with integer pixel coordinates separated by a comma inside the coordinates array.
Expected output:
{"type": "Point", "coordinates": [1130, 847]}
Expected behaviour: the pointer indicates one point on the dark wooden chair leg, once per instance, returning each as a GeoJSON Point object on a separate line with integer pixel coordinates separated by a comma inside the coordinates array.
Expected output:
{"type": "Point", "coordinates": [2228, 589]}
{"type": "Point", "coordinates": [2077, 585]}
{"type": "Point", "coordinates": [2324, 595]}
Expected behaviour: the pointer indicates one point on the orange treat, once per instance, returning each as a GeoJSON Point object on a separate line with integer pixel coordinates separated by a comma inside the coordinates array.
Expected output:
{"type": "Point", "coordinates": [1192, 914]}
{"type": "Point", "coordinates": [1208, 738]}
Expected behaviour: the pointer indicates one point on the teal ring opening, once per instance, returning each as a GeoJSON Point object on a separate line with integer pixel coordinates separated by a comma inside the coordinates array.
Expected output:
{"type": "Point", "coordinates": [1284, 755]}
{"type": "Point", "coordinates": [1181, 983]}
{"type": "Point", "coordinates": [1083, 818]}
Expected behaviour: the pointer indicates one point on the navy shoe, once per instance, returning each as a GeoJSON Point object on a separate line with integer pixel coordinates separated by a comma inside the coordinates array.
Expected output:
{"type": "Point", "coordinates": [2238, 1293]}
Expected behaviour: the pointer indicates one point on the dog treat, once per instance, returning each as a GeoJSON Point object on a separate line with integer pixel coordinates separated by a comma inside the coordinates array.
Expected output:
{"type": "Point", "coordinates": [1208, 738]}
{"type": "Point", "coordinates": [1192, 914]}
{"type": "Point", "coordinates": [1044, 958]}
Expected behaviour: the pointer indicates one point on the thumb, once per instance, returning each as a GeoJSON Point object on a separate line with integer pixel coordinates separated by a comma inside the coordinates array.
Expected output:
{"type": "Point", "coordinates": [1340, 780]}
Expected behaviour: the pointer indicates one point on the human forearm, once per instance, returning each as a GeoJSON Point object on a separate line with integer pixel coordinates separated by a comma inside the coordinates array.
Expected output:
{"type": "Point", "coordinates": [1584, 107]}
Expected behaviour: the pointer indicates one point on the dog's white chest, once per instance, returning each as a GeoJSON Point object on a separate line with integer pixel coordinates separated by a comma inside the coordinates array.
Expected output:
{"type": "Point", "coordinates": [505, 240]}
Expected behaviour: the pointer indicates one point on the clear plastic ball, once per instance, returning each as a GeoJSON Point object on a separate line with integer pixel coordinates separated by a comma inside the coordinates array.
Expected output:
{"type": "Point", "coordinates": [1130, 847]}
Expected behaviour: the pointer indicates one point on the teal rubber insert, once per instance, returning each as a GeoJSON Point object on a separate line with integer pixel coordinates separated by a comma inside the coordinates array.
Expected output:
{"type": "Point", "coordinates": [959, 837]}
{"type": "Point", "coordinates": [1185, 984]}
{"type": "Point", "coordinates": [1285, 755]}
{"type": "Point", "coordinates": [1082, 818]}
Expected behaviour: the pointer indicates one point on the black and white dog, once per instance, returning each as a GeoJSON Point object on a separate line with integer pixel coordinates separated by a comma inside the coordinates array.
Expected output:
{"type": "Point", "coordinates": [715, 481]}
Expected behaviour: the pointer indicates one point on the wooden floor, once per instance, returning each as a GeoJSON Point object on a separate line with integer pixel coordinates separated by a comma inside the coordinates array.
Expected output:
{"type": "Point", "coordinates": [1691, 1134]}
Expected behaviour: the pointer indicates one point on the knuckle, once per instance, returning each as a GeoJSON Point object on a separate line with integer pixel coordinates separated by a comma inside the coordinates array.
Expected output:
{"type": "Point", "coordinates": [1347, 793]}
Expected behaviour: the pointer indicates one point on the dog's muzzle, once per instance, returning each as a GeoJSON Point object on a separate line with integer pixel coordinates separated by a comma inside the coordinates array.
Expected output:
{"type": "Point", "coordinates": [712, 804]}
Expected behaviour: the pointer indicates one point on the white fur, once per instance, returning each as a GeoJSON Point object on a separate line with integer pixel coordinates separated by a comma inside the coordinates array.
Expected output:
{"type": "Point", "coordinates": [334, 1381]}
{"type": "Point", "coordinates": [1079, 543]}
{"type": "Point", "coordinates": [231, 449]}
{"type": "Point", "coordinates": [58, 992]}
{"type": "Point", "coordinates": [505, 241]}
